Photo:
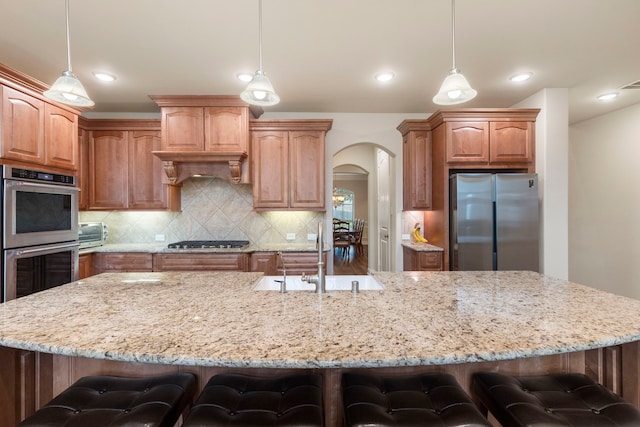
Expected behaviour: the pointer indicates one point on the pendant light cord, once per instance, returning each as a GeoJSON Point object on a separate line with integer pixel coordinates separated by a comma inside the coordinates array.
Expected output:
{"type": "Point", "coordinates": [453, 31]}
{"type": "Point", "coordinates": [259, 33]}
{"type": "Point", "coordinates": [66, 6]}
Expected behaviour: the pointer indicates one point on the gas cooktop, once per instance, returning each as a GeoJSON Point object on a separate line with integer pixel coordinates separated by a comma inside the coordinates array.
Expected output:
{"type": "Point", "coordinates": [222, 244]}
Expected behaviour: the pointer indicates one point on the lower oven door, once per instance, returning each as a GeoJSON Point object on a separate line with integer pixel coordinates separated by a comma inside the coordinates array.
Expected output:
{"type": "Point", "coordinates": [36, 268]}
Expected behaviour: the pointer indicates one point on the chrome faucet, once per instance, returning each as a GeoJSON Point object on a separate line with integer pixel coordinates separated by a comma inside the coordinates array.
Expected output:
{"type": "Point", "coordinates": [283, 282]}
{"type": "Point", "coordinates": [318, 279]}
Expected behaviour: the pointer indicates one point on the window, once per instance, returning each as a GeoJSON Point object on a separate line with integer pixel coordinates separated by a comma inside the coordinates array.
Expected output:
{"type": "Point", "coordinates": [343, 203]}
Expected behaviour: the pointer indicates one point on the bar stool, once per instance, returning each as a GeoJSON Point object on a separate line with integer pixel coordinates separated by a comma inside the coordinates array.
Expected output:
{"type": "Point", "coordinates": [551, 400]}
{"type": "Point", "coordinates": [99, 401]}
{"type": "Point", "coordinates": [421, 400]}
{"type": "Point", "coordinates": [245, 401]}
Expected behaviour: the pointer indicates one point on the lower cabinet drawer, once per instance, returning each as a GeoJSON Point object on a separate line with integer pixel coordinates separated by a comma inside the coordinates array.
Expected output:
{"type": "Point", "coordinates": [422, 261]}
{"type": "Point", "coordinates": [122, 261]}
{"type": "Point", "coordinates": [430, 260]}
{"type": "Point", "coordinates": [196, 261]}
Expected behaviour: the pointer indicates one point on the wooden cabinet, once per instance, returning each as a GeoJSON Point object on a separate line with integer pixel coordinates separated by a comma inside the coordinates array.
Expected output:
{"type": "Point", "coordinates": [296, 263]}
{"type": "Point", "coordinates": [288, 164]}
{"type": "Point", "coordinates": [416, 165]}
{"type": "Point", "coordinates": [146, 190]}
{"type": "Point", "coordinates": [205, 135]}
{"type": "Point", "coordinates": [421, 261]}
{"type": "Point", "coordinates": [108, 153]}
{"type": "Point", "coordinates": [264, 262]}
{"type": "Point", "coordinates": [22, 127]}
{"type": "Point", "coordinates": [83, 167]}
{"type": "Point", "coordinates": [122, 261]}
{"type": "Point", "coordinates": [36, 132]}
{"type": "Point", "coordinates": [85, 266]}
{"type": "Point", "coordinates": [492, 142]}
{"type": "Point", "coordinates": [201, 261]}
{"type": "Point", "coordinates": [124, 173]}
{"type": "Point", "coordinates": [61, 138]}
{"type": "Point", "coordinates": [212, 129]}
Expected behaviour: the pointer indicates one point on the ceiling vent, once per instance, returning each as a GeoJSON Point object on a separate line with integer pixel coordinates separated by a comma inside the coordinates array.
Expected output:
{"type": "Point", "coordinates": [634, 85]}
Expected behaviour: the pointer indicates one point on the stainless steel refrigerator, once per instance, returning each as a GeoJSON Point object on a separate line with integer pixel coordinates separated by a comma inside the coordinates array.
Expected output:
{"type": "Point", "coordinates": [494, 221]}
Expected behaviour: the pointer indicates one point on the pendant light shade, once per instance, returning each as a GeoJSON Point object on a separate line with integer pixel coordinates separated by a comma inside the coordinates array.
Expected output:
{"type": "Point", "coordinates": [260, 91]}
{"type": "Point", "coordinates": [455, 89]}
{"type": "Point", "coordinates": [67, 89]}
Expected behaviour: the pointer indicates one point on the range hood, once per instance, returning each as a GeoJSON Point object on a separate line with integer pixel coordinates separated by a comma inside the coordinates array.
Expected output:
{"type": "Point", "coordinates": [179, 166]}
{"type": "Point", "coordinates": [206, 135]}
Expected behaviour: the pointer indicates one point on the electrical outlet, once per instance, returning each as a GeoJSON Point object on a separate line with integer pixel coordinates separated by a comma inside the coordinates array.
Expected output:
{"type": "Point", "coordinates": [159, 237]}
{"type": "Point", "coordinates": [312, 237]}
{"type": "Point", "coordinates": [405, 237]}
{"type": "Point", "coordinates": [291, 236]}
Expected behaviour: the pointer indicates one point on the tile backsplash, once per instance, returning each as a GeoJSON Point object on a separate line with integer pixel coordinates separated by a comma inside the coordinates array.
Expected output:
{"type": "Point", "coordinates": [212, 209]}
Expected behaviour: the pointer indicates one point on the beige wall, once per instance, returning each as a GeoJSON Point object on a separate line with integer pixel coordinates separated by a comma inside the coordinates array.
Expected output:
{"type": "Point", "coordinates": [604, 202]}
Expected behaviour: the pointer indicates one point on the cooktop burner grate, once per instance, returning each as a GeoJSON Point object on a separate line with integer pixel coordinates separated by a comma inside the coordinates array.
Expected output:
{"type": "Point", "coordinates": [222, 244]}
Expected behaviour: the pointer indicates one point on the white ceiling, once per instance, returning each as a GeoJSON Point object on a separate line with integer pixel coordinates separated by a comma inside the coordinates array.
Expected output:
{"type": "Point", "coordinates": [321, 55]}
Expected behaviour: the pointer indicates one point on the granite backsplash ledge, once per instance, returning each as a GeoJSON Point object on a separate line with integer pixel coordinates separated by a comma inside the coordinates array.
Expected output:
{"type": "Point", "coordinates": [212, 209]}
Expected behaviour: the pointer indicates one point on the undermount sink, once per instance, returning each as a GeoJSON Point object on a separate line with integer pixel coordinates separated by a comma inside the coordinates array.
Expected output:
{"type": "Point", "coordinates": [332, 283]}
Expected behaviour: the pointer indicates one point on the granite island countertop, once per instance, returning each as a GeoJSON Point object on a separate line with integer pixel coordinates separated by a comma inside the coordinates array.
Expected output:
{"type": "Point", "coordinates": [216, 319]}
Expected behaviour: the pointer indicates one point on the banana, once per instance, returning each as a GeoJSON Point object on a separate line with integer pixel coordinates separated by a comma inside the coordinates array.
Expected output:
{"type": "Point", "coordinates": [416, 235]}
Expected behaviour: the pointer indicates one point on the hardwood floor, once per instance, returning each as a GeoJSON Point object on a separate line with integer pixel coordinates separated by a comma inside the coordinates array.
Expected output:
{"type": "Point", "coordinates": [350, 262]}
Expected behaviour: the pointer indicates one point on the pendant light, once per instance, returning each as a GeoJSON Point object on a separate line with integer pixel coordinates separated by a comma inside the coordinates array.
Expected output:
{"type": "Point", "coordinates": [455, 89]}
{"type": "Point", "coordinates": [259, 91]}
{"type": "Point", "coordinates": [67, 89]}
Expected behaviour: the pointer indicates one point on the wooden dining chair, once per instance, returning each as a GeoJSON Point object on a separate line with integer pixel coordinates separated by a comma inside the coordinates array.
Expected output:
{"type": "Point", "coordinates": [341, 236]}
{"type": "Point", "coordinates": [356, 236]}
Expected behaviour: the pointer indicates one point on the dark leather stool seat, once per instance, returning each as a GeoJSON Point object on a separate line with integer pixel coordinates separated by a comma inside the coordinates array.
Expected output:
{"type": "Point", "coordinates": [98, 401]}
{"type": "Point", "coordinates": [420, 400]}
{"type": "Point", "coordinates": [551, 400]}
{"type": "Point", "coordinates": [240, 400]}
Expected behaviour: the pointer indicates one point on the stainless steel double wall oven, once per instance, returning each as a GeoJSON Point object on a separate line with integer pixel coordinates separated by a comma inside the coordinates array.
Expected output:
{"type": "Point", "coordinates": [39, 231]}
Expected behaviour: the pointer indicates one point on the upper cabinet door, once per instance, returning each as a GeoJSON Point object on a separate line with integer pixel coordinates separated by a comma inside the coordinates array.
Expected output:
{"type": "Point", "coordinates": [146, 190]}
{"type": "Point", "coordinates": [467, 142]}
{"type": "Point", "coordinates": [22, 127]}
{"type": "Point", "coordinates": [512, 141]}
{"type": "Point", "coordinates": [270, 165]}
{"type": "Point", "coordinates": [416, 167]}
{"type": "Point", "coordinates": [108, 154]}
{"type": "Point", "coordinates": [182, 129]}
{"type": "Point", "coordinates": [307, 169]}
{"type": "Point", "coordinates": [61, 138]}
{"type": "Point", "coordinates": [226, 129]}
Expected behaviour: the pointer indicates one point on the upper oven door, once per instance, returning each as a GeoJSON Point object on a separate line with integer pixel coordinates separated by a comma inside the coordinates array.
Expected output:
{"type": "Point", "coordinates": [38, 214]}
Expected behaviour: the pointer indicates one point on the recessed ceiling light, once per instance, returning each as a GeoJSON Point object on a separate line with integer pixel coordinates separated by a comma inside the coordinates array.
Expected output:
{"type": "Point", "coordinates": [385, 76]}
{"type": "Point", "coordinates": [244, 77]}
{"type": "Point", "coordinates": [520, 77]}
{"type": "Point", "coordinates": [607, 96]}
{"type": "Point", "coordinates": [104, 77]}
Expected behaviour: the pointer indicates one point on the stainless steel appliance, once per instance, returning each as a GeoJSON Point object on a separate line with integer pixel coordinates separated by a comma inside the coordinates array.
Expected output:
{"type": "Point", "coordinates": [209, 244]}
{"type": "Point", "coordinates": [39, 231]}
{"type": "Point", "coordinates": [494, 221]}
{"type": "Point", "coordinates": [92, 234]}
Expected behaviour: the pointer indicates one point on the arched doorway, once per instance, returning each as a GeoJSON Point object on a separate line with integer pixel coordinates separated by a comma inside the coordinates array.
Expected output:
{"type": "Point", "coordinates": [357, 167]}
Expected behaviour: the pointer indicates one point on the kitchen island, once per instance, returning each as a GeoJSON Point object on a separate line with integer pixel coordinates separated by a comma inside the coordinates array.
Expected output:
{"type": "Point", "coordinates": [206, 323]}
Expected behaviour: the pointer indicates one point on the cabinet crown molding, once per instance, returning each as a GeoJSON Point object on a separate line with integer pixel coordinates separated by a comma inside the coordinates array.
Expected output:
{"type": "Point", "coordinates": [291, 124]}
{"type": "Point", "coordinates": [205, 101]}
{"type": "Point", "coordinates": [482, 114]}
